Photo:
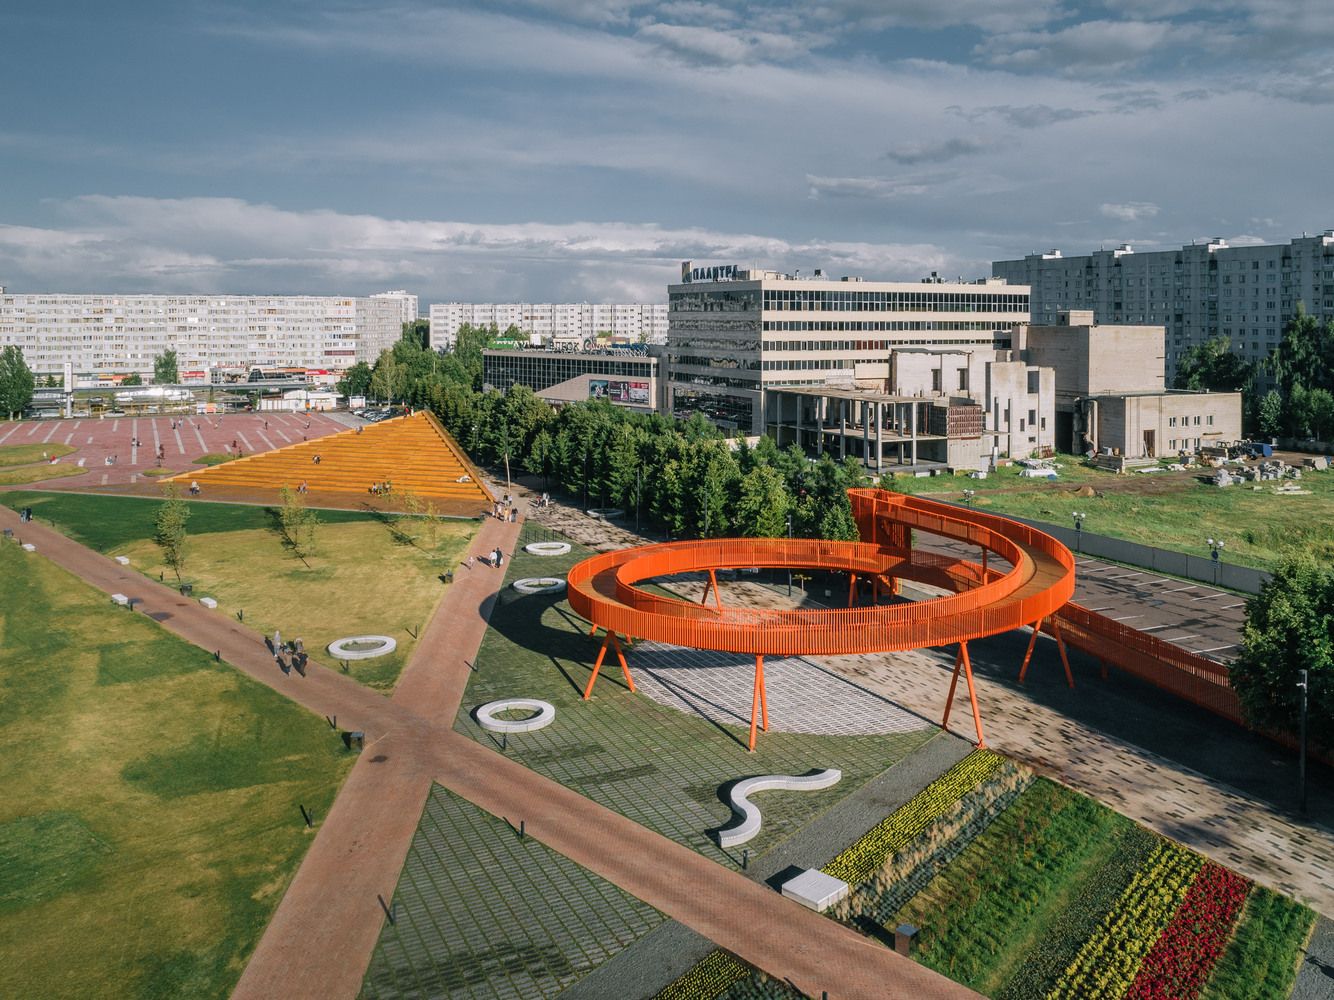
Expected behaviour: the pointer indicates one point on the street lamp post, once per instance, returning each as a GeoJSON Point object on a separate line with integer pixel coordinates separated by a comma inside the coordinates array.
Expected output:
{"type": "Point", "coordinates": [789, 569]}
{"type": "Point", "coordinates": [968, 497]}
{"type": "Point", "coordinates": [1079, 529]}
{"type": "Point", "coordinates": [1215, 548]}
{"type": "Point", "coordinates": [1301, 759]}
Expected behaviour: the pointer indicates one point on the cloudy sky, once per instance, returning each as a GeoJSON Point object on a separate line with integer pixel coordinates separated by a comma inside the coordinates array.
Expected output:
{"type": "Point", "coordinates": [579, 149]}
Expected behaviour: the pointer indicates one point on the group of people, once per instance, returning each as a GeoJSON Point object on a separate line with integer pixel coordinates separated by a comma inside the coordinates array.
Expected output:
{"type": "Point", "coordinates": [383, 489]}
{"type": "Point", "coordinates": [194, 488]}
{"type": "Point", "coordinates": [111, 460]}
{"type": "Point", "coordinates": [505, 510]}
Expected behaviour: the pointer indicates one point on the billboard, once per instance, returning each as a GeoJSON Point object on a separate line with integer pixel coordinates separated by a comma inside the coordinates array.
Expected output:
{"type": "Point", "coordinates": [632, 393]}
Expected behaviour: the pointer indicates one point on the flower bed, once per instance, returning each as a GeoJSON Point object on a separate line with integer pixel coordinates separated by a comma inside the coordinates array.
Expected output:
{"type": "Point", "coordinates": [860, 861]}
{"type": "Point", "coordinates": [714, 973]}
{"type": "Point", "coordinates": [1180, 961]}
{"type": "Point", "coordinates": [1107, 965]}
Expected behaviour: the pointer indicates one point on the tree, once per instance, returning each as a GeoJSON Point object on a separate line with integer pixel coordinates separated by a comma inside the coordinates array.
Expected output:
{"type": "Point", "coordinates": [387, 377]}
{"type": "Point", "coordinates": [169, 531]}
{"type": "Point", "coordinates": [418, 332]}
{"type": "Point", "coordinates": [1305, 355]}
{"type": "Point", "coordinates": [16, 381]}
{"type": "Point", "coordinates": [164, 368]}
{"type": "Point", "coordinates": [298, 523]}
{"type": "Point", "coordinates": [1213, 366]}
{"type": "Point", "coordinates": [1271, 414]}
{"type": "Point", "coordinates": [1289, 627]}
{"type": "Point", "coordinates": [134, 378]}
{"type": "Point", "coordinates": [763, 504]}
{"type": "Point", "coordinates": [356, 381]}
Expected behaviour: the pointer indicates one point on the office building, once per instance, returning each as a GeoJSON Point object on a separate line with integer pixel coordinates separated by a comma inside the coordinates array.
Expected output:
{"type": "Point", "coordinates": [733, 334]}
{"type": "Point", "coordinates": [627, 378]}
{"type": "Point", "coordinates": [104, 334]}
{"type": "Point", "coordinates": [562, 324]}
{"type": "Point", "coordinates": [1198, 292]}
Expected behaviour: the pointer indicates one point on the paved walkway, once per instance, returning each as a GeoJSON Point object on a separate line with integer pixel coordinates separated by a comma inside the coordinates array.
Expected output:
{"type": "Point", "coordinates": [316, 949]}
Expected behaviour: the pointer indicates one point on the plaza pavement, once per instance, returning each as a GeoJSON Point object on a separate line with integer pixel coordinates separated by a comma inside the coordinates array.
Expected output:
{"type": "Point", "coordinates": [320, 941]}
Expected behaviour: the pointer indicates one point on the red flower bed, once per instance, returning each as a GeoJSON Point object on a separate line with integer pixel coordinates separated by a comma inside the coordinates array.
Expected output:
{"type": "Point", "coordinates": [1179, 963]}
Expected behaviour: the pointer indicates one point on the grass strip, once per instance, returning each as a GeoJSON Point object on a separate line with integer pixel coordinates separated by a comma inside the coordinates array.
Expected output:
{"type": "Point", "coordinates": [1262, 959]}
{"type": "Point", "coordinates": [1003, 887]}
{"type": "Point", "coordinates": [1107, 965]}
{"type": "Point", "coordinates": [23, 454]}
{"type": "Point", "coordinates": [24, 474]}
{"type": "Point", "coordinates": [1045, 961]}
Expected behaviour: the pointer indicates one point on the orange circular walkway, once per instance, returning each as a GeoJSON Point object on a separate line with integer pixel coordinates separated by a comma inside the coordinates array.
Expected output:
{"type": "Point", "coordinates": [983, 600]}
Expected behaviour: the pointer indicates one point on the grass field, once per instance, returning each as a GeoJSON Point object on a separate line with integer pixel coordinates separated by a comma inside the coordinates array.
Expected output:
{"type": "Point", "coordinates": [1170, 510]}
{"type": "Point", "coordinates": [23, 454]}
{"type": "Point", "coordinates": [363, 578]}
{"type": "Point", "coordinates": [149, 815]}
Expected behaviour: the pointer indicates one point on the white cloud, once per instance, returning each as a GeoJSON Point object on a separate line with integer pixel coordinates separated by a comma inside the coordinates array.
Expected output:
{"type": "Point", "coordinates": [1130, 211]}
{"type": "Point", "coordinates": [723, 47]}
{"type": "Point", "coordinates": [225, 244]}
{"type": "Point", "coordinates": [1090, 46]}
{"type": "Point", "coordinates": [863, 187]}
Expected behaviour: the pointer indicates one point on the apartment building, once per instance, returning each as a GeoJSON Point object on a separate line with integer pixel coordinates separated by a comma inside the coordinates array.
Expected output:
{"type": "Point", "coordinates": [1198, 292]}
{"type": "Point", "coordinates": [734, 333]}
{"type": "Point", "coordinates": [407, 303]}
{"type": "Point", "coordinates": [561, 324]}
{"type": "Point", "coordinates": [99, 334]}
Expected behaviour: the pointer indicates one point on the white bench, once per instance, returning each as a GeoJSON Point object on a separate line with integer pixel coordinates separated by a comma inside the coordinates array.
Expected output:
{"type": "Point", "coordinates": [29, 547]}
{"type": "Point", "coordinates": [815, 890]}
{"type": "Point", "coordinates": [123, 560]}
{"type": "Point", "coordinates": [486, 715]}
{"type": "Point", "coordinates": [209, 603]}
{"type": "Point", "coordinates": [120, 599]}
{"type": "Point", "coordinates": [750, 815]}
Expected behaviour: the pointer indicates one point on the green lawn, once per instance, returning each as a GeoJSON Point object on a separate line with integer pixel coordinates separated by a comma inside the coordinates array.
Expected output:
{"type": "Point", "coordinates": [364, 577]}
{"type": "Point", "coordinates": [23, 454]}
{"type": "Point", "coordinates": [1171, 511]}
{"type": "Point", "coordinates": [1262, 958]}
{"type": "Point", "coordinates": [149, 815]}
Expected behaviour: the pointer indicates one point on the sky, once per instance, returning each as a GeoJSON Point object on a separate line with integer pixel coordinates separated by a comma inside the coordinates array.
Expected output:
{"type": "Point", "coordinates": [579, 150]}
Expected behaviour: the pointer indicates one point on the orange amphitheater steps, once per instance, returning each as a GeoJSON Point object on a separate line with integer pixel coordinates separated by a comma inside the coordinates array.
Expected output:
{"type": "Point", "coordinates": [412, 454]}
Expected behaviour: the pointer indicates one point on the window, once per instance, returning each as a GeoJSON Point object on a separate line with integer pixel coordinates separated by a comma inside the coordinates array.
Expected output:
{"type": "Point", "coordinates": [935, 380]}
{"type": "Point", "coordinates": [1211, 420]}
{"type": "Point", "coordinates": [963, 379]}
{"type": "Point", "coordinates": [1171, 421]}
{"type": "Point", "coordinates": [1197, 420]}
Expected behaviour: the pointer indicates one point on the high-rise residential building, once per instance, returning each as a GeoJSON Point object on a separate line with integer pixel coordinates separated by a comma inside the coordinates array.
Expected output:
{"type": "Point", "coordinates": [734, 333]}
{"type": "Point", "coordinates": [103, 334]}
{"type": "Point", "coordinates": [407, 303]}
{"type": "Point", "coordinates": [1200, 291]}
{"type": "Point", "coordinates": [561, 324]}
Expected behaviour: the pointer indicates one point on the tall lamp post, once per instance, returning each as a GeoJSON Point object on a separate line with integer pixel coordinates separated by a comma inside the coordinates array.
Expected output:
{"type": "Point", "coordinates": [968, 497]}
{"type": "Point", "coordinates": [789, 569]}
{"type": "Point", "coordinates": [1301, 759]}
{"type": "Point", "coordinates": [1079, 529]}
{"type": "Point", "coordinates": [1215, 547]}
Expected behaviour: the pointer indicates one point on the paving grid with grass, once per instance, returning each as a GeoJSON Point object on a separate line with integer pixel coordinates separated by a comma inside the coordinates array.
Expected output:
{"type": "Point", "coordinates": [149, 821]}
{"type": "Point", "coordinates": [480, 914]}
{"type": "Point", "coordinates": [660, 767]}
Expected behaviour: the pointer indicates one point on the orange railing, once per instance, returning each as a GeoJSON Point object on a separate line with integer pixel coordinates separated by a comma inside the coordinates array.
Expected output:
{"type": "Point", "coordinates": [1040, 580]}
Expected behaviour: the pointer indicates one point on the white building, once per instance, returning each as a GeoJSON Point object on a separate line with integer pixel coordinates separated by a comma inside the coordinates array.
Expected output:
{"type": "Point", "coordinates": [407, 303]}
{"type": "Point", "coordinates": [561, 324]}
{"type": "Point", "coordinates": [1198, 292]}
{"type": "Point", "coordinates": [733, 334]}
{"type": "Point", "coordinates": [103, 334]}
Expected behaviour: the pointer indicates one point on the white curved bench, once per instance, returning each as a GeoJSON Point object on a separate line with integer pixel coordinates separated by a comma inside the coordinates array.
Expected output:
{"type": "Point", "coordinates": [539, 585]}
{"type": "Point", "coordinates": [547, 548]}
{"type": "Point", "coordinates": [383, 644]}
{"type": "Point", "coordinates": [486, 715]}
{"type": "Point", "coordinates": [750, 815]}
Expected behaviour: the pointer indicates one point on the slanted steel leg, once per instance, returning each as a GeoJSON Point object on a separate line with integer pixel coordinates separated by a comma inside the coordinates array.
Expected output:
{"type": "Point", "coordinates": [972, 694]}
{"type": "Point", "coordinates": [1028, 655]}
{"type": "Point", "coordinates": [1060, 644]}
{"type": "Point", "coordinates": [954, 681]}
{"type": "Point", "coordinates": [597, 665]}
{"type": "Point", "coordinates": [625, 667]}
{"type": "Point", "coordinates": [756, 697]}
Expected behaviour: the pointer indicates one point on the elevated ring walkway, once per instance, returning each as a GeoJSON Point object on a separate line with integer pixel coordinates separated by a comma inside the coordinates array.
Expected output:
{"type": "Point", "coordinates": [982, 600]}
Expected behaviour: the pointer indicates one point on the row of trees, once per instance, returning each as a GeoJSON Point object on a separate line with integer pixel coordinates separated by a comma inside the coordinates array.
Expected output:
{"type": "Point", "coordinates": [16, 381]}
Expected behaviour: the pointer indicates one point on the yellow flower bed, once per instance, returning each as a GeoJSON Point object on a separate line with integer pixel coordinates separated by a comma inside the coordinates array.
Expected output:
{"type": "Point", "coordinates": [1108, 963]}
{"type": "Point", "coordinates": [710, 977]}
{"type": "Point", "coordinates": [856, 864]}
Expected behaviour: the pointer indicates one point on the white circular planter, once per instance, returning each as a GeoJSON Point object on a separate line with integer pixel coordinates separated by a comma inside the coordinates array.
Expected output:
{"type": "Point", "coordinates": [378, 645]}
{"type": "Point", "coordinates": [545, 715]}
{"type": "Point", "coordinates": [547, 548]}
{"type": "Point", "coordinates": [606, 513]}
{"type": "Point", "coordinates": [539, 585]}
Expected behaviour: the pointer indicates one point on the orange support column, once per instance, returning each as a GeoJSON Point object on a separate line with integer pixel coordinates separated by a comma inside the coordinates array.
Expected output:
{"type": "Point", "coordinates": [764, 699]}
{"type": "Point", "coordinates": [625, 667]}
{"type": "Point", "coordinates": [1028, 655]}
{"type": "Point", "coordinates": [954, 682]}
{"type": "Point", "coordinates": [972, 694]}
{"type": "Point", "coordinates": [597, 665]}
{"type": "Point", "coordinates": [1060, 644]}
{"type": "Point", "coordinates": [757, 701]}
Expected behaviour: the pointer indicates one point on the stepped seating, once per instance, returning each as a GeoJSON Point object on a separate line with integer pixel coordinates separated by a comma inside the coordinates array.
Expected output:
{"type": "Point", "coordinates": [413, 453]}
